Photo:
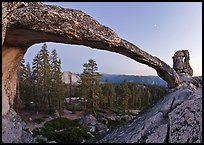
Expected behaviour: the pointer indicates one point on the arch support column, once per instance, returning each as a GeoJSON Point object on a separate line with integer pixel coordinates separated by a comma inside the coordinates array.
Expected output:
{"type": "Point", "coordinates": [11, 57]}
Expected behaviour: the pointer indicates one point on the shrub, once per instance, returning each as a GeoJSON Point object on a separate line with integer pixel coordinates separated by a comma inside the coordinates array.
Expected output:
{"type": "Point", "coordinates": [61, 123]}
{"type": "Point", "coordinates": [70, 132]}
{"type": "Point", "coordinates": [72, 135]}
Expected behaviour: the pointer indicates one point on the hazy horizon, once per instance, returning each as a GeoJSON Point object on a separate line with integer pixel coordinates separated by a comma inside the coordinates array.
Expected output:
{"type": "Point", "coordinates": [159, 28]}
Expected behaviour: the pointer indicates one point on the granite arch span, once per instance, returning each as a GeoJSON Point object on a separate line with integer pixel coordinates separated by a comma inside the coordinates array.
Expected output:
{"type": "Point", "coordinates": [30, 23]}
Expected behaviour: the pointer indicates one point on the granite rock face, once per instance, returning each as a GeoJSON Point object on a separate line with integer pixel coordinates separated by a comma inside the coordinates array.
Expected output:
{"type": "Point", "coordinates": [14, 129]}
{"type": "Point", "coordinates": [24, 24]}
{"type": "Point", "coordinates": [186, 121]}
{"type": "Point", "coordinates": [176, 118]}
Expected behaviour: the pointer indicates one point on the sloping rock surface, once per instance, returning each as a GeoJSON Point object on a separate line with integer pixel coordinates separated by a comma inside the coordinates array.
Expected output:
{"type": "Point", "coordinates": [24, 24]}
{"type": "Point", "coordinates": [175, 118]}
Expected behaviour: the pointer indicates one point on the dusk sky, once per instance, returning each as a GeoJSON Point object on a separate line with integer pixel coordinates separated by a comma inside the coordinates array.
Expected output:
{"type": "Point", "coordinates": [159, 28]}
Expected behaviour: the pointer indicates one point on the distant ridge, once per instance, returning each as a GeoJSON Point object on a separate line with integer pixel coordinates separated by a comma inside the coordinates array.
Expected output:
{"type": "Point", "coordinates": [115, 78]}
{"type": "Point", "coordinates": [149, 80]}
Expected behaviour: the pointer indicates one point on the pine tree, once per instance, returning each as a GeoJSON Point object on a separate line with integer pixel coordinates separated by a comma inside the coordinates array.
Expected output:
{"type": "Point", "coordinates": [125, 95]}
{"type": "Point", "coordinates": [24, 95]}
{"type": "Point", "coordinates": [84, 86]}
{"type": "Point", "coordinates": [70, 88]}
{"type": "Point", "coordinates": [133, 100]}
{"type": "Point", "coordinates": [45, 73]}
{"type": "Point", "coordinates": [42, 80]}
{"type": "Point", "coordinates": [108, 95]}
{"type": "Point", "coordinates": [28, 96]}
{"type": "Point", "coordinates": [90, 80]}
{"type": "Point", "coordinates": [37, 82]}
{"type": "Point", "coordinates": [57, 92]}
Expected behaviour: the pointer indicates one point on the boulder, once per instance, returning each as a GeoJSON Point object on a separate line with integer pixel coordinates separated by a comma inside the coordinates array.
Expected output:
{"type": "Point", "coordinates": [11, 128]}
{"type": "Point", "coordinates": [88, 120]}
{"type": "Point", "coordinates": [92, 128]}
{"type": "Point", "coordinates": [15, 130]}
{"type": "Point", "coordinates": [101, 128]}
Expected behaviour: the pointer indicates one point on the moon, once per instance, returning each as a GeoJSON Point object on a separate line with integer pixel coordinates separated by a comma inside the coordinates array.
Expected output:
{"type": "Point", "coordinates": [155, 25]}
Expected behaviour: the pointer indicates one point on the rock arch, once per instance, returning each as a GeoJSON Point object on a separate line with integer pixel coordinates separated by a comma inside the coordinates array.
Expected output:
{"type": "Point", "coordinates": [25, 24]}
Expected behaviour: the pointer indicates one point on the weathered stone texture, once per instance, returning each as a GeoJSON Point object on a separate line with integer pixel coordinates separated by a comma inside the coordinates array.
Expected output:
{"type": "Point", "coordinates": [40, 23]}
{"type": "Point", "coordinates": [175, 118]}
{"type": "Point", "coordinates": [159, 135]}
{"type": "Point", "coordinates": [11, 128]}
{"type": "Point", "coordinates": [10, 61]}
{"type": "Point", "coordinates": [25, 24]}
{"type": "Point", "coordinates": [4, 20]}
{"type": "Point", "coordinates": [14, 129]}
{"type": "Point", "coordinates": [186, 121]}
{"type": "Point", "coordinates": [181, 62]}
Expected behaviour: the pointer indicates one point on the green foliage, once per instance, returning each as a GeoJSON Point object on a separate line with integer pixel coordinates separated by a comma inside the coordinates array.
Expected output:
{"type": "Point", "coordinates": [137, 96]}
{"type": "Point", "coordinates": [38, 120]}
{"type": "Point", "coordinates": [61, 123]}
{"type": "Point", "coordinates": [43, 84]}
{"type": "Point", "coordinates": [90, 84]}
{"type": "Point", "coordinates": [57, 92]}
{"type": "Point", "coordinates": [63, 130]}
{"type": "Point", "coordinates": [108, 96]}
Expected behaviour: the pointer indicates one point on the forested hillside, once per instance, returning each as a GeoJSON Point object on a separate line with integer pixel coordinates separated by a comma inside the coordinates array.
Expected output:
{"type": "Point", "coordinates": [41, 88]}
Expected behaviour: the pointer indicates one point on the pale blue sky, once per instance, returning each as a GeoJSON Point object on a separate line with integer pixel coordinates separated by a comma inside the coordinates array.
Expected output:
{"type": "Point", "coordinates": [159, 28]}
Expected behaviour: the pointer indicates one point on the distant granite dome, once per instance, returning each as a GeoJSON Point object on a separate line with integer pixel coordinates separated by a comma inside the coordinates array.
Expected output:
{"type": "Point", "coordinates": [75, 78]}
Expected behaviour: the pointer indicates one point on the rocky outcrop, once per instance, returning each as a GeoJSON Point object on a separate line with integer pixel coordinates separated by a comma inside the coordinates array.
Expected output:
{"type": "Point", "coordinates": [88, 120]}
{"type": "Point", "coordinates": [175, 118]}
{"type": "Point", "coordinates": [70, 77]}
{"type": "Point", "coordinates": [181, 62]}
{"type": "Point", "coordinates": [40, 23]}
{"type": "Point", "coordinates": [24, 24]}
{"type": "Point", "coordinates": [14, 129]}
{"type": "Point", "coordinates": [10, 58]}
